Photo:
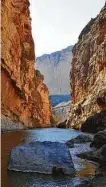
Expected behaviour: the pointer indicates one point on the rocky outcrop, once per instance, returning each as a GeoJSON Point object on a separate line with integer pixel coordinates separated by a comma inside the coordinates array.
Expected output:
{"type": "Point", "coordinates": [62, 125]}
{"type": "Point", "coordinates": [9, 125]}
{"type": "Point", "coordinates": [95, 123]}
{"type": "Point", "coordinates": [60, 112]}
{"type": "Point", "coordinates": [24, 95]}
{"type": "Point", "coordinates": [99, 139]}
{"type": "Point", "coordinates": [81, 138]}
{"type": "Point", "coordinates": [88, 71]}
{"type": "Point", "coordinates": [52, 66]}
{"type": "Point", "coordinates": [97, 154]}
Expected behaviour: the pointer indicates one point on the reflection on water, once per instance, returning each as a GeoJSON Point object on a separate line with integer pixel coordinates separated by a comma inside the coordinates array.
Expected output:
{"type": "Point", "coordinates": [52, 134]}
{"type": "Point", "coordinates": [83, 167]}
{"type": "Point", "coordinates": [36, 180]}
{"type": "Point", "coordinates": [18, 179]}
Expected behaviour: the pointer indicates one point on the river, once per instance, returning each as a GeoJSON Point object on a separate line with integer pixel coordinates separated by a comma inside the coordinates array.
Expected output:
{"type": "Point", "coordinates": [19, 179]}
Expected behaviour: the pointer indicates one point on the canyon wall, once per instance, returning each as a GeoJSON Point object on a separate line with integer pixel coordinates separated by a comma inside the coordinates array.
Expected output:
{"type": "Point", "coordinates": [24, 96]}
{"type": "Point", "coordinates": [88, 71]}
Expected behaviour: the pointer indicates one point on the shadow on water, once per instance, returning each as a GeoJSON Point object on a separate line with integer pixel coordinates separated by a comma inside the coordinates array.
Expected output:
{"type": "Point", "coordinates": [19, 179]}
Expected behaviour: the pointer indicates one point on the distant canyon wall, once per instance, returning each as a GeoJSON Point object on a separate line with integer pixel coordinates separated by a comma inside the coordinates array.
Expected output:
{"type": "Point", "coordinates": [88, 71]}
{"type": "Point", "coordinates": [56, 70]}
{"type": "Point", "coordinates": [24, 96]}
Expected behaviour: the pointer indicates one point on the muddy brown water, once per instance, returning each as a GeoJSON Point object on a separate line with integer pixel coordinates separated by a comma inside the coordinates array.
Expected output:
{"type": "Point", "coordinates": [19, 179]}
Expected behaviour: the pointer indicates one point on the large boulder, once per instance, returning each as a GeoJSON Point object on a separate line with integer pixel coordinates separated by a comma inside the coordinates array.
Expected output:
{"type": "Point", "coordinates": [99, 139]}
{"type": "Point", "coordinates": [42, 157]}
{"type": "Point", "coordinates": [95, 123]}
{"type": "Point", "coordinates": [81, 138]}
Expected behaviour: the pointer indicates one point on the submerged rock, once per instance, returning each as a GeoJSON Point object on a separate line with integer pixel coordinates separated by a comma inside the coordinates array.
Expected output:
{"type": "Point", "coordinates": [42, 157]}
{"type": "Point", "coordinates": [70, 144]}
{"type": "Point", "coordinates": [81, 138]}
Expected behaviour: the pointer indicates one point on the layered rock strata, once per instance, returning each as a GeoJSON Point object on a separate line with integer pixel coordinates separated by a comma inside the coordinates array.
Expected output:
{"type": "Point", "coordinates": [24, 96]}
{"type": "Point", "coordinates": [88, 71]}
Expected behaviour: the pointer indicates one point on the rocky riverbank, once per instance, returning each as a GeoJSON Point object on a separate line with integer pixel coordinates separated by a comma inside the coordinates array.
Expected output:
{"type": "Point", "coordinates": [9, 125]}
{"type": "Point", "coordinates": [94, 147]}
{"type": "Point", "coordinates": [84, 168]}
{"type": "Point", "coordinates": [97, 154]}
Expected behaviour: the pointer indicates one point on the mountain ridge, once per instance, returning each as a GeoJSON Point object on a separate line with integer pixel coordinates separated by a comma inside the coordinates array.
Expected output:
{"type": "Point", "coordinates": [68, 48]}
{"type": "Point", "coordinates": [56, 70]}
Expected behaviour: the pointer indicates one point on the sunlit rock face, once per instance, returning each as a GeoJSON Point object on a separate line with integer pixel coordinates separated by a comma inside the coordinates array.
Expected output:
{"type": "Point", "coordinates": [56, 70]}
{"type": "Point", "coordinates": [88, 71]}
{"type": "Point", "coordinates": [24, 95]}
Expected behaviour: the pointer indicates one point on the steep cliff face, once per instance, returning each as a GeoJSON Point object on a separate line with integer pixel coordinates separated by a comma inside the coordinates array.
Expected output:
{"type": "Point", "coordinates": [52, 66]}
{"type": "Point", "coordinates": [24, 95]}
{"type": "Point", "coordinates": [88, 71]}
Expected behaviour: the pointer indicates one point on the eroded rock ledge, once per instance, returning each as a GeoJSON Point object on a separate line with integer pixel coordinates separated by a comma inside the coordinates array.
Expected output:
{"type": "Point", "coordinates": [88, 71]}
{"type": "Point", "coordinates": [24, 95]}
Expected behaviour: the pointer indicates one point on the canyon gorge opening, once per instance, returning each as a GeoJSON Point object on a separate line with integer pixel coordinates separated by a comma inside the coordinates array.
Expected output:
{"type": "Point", "coordinates": [54, 67]}
{"type": "Point", "coordinates": [26, 112]}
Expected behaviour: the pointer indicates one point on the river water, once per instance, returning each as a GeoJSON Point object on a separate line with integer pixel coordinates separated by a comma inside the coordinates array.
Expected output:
{"type": "Point", "coordinates": [19, 179]}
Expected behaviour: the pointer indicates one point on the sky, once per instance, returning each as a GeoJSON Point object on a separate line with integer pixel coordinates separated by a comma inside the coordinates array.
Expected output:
{"type": "Point", "coordinates": [57, 24]}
